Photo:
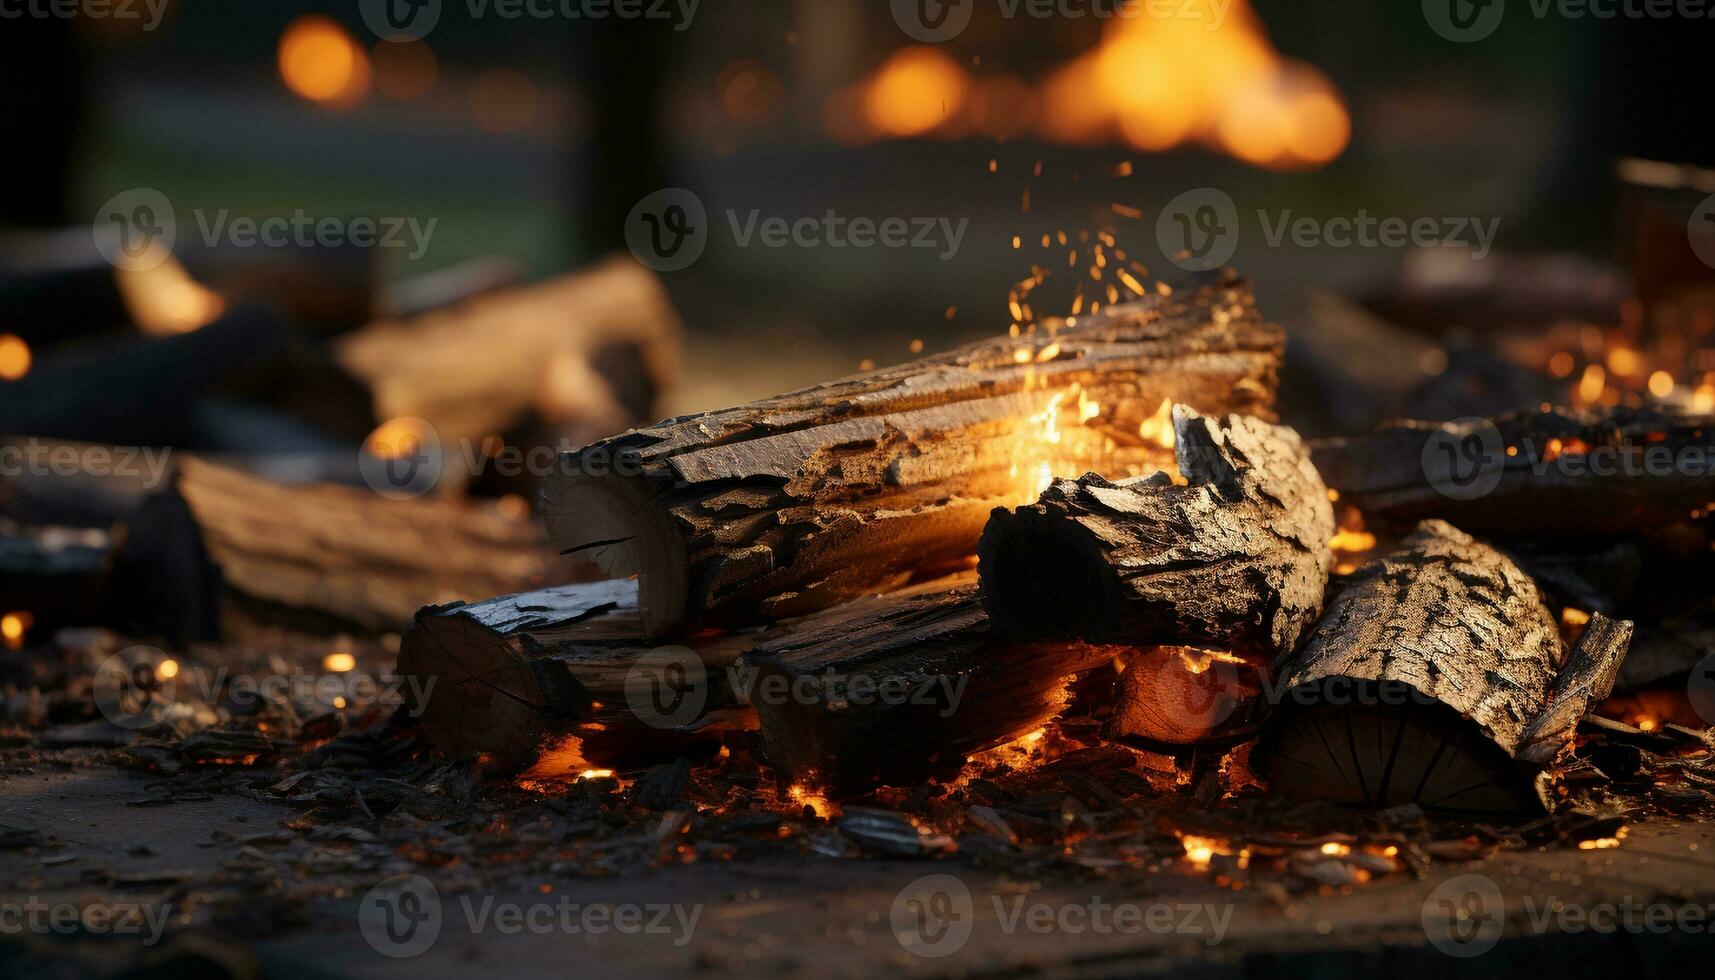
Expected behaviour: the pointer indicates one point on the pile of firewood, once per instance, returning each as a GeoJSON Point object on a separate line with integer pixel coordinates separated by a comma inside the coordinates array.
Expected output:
{"type": "Point", "coordinates": [889, 574]}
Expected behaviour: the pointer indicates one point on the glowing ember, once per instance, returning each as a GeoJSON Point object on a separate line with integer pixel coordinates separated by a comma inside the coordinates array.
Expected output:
{"type": "Point", "coordinates": [1201, 850]}
{"type": "Point", "coordinates": [338, 663]}
{"type": "Point", "coordinates": [561, 763]}
{"type": "Point", "coordinates": [819, 804]}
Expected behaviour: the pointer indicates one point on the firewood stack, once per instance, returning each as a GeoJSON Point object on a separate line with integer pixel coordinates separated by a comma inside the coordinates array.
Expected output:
{"type": "Point", "coordinates": [803, 573]}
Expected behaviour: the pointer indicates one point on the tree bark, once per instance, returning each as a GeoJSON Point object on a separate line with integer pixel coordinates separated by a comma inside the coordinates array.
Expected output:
{"type": "Point", "coordinates": [1236, 560]}
{"type": "Point", "coordinates": [1437, 677]}
{"type": "Point", "coordinates": [811, 498]}
{"type": "Point", "coordinates": [560, 680]}
{"type": "Point", "coordinates": [1574, 473]}
{"type": "Point", "coordinates": [897, 689]}
{"type": "Point", "coordinates": [325, 558]}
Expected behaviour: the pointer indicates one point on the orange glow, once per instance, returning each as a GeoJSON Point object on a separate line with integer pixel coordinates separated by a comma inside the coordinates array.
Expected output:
{"type": "Point", "coordinates": [751, 92]}
{"type": "Point", "coordinates": [320, 62]}
{"type": "Point", "coordinates": [12, 628]}
{"type": "Point", "coordinates": [914, 92]}
{"type": "Point", "coordinates": [167, 669]}
{"type": "Point", "coordinates": [396, 438]}
{"type": "Point", "coordinates": [405, 69]}
{"type": "Point", "coordinates": [338, 663]}
{"type": "Point", "coordinates": [1158, 428]}
{"type": "Point", "coordinates": [1661, 384]}
{"type": "Point", "coordinates": [503, 101]}
{"type": "Point", "coordinates": [14, 357]}
{"type": "Point", "coordinates": [819, 804]}
{"type": "Point", "coordinates": [163, 299]}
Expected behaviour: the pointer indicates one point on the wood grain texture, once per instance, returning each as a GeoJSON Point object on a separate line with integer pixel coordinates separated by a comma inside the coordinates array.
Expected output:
{"type": "Point", "coordinates": [1237, 559]}
{"type": "Point", "coordinates": [807, 499]}
{"type": "Point", "coordinates": [1437, 676]}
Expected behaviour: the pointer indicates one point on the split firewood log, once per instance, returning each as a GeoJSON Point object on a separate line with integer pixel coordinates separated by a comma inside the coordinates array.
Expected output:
{"type": "Point", "coordinates": [896, 689]}
{"type": "Point", "coordinates": [1437, 677]}
{"type": "Point", "coordinates": [803, 500]}
{"type": "Point", "coordinates": [560, 680]}
{"type": "Point", "coordinates": [1555, 474]}
{"type": "Point", "coordinates": [319, 558]}
{"type": "Point", "coordinates": [587, 352]}
{"type": "Point", "coordinates": [1237, 559]}
{"type": "Point", "coordinates": [1213, 579]}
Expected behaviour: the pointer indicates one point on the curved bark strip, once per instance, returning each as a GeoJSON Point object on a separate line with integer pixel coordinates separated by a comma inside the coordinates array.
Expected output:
{"type": "Point", "coordinates": [1237, 560]}
{"type": "Point", "coordinates": [510, 677]}
{"type": "Point", "coordinates": [1436, 677]}
{"type": "Point", "coordinates": [896, 689]}
{"type": "Point", "coordinates": [1575, 473]}
{"type": "Point", "coordinates": [803, 500]}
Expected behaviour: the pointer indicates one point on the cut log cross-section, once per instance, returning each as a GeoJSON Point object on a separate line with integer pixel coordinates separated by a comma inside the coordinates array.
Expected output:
{"type": "Point", "coordinates": [1437, 677]}
{"type": "Point", "coordinates": [811, 498]}
{"type": "Point", "coordinates": [564, 675]}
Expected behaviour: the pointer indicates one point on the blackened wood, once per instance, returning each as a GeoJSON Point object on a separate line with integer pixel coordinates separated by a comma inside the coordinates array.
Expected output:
{"type": "Point", "coordinates": [1237, 559]}
{"type": "Point", "coordinates": [1434, 679]}
{"type": "Point", "coordinates": [1556, 474]}
{"type": "Point", "coordinates": [807, 499]}
{"type": "Point", "coordinates": [896, 689]}
{"type": "Point", "coordinates": [557, 677]}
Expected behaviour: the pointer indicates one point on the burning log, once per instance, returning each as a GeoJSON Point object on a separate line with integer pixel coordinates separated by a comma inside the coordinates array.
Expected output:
{"type": "Point", "coordinates": [589, 351]}
{"type": "Point", "coordinates": [566, 672]}
{"type": "Point", "coordinates": [895, 689]}
{"type": "Point", "coordinates": [1228, 571]}
{"type": "Point", "coordinates": [222, 546]}
{"type": "Point", "coordinates": [1560, 473]}
{"type": "Point", "coordinates": [1238, 559]}
{"type": "Point", "coordinates": [1437, 677]}
{"type": "Point", "coordinates": [810, 498]}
